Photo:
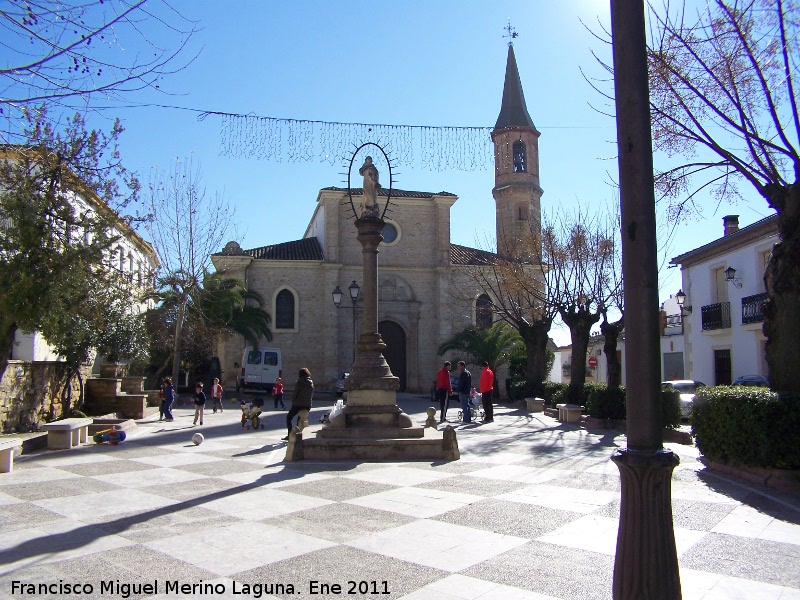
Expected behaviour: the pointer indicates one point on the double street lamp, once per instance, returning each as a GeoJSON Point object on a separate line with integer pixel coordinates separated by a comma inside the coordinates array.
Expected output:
{"type": "Point", "coordinates": [338, 294]}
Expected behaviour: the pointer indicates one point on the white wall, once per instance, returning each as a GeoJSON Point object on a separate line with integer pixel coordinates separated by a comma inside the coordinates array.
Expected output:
{"type": "Point", "coordinates": [745, 342]}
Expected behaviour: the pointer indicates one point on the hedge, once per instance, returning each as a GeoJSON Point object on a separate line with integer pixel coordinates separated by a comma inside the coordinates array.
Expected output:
{"type": "Point", "coordinates": [750, 425]}
{"type": "Point", "coordinates": [604, 402]}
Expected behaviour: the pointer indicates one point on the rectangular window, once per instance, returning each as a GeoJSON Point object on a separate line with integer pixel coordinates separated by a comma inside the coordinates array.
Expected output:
{"type": "Point", "coordinates": [270, 359]}
{"type": "Point", "coordinates": [254, 357]}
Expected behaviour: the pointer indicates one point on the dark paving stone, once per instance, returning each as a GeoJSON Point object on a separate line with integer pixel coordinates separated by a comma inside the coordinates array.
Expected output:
{"type": "Point", "coordinates": [145, 527]}
{"type": "Point", "coordinates": [221, 467]}
{"type": "Point", "coordinates": [95, 569]}
{"type": "Point", "coordinates": [107, 467]}
{"type": "Point", "coordinates": [57, 488]}
{"type": "Point", "coordinates": [549, 569]}
{"type": "Point", "coordinates": [760, 560]}
{"type": "Point", "coordinates": [479, 486]}
{"type": "Point", "coordinates": [337, 488]}
{"type": "Point", "coordinates": [509, 518]}
{"type": "Point", "coordinates": [25, 516]}
{"type": "Point", "coordinates": [341, 564]}
{"type": "Point", "coordinates": [700, 516]}
{"type": "Point", "coordinates": [195, 489]}
{"type": "Point", "coordinates": [456, 467]}
{"type": "Point", "coordinates": [156, 565]}
{"type": "Point", "coordinates": [588, 481]}
{"type": "Point", "coordinates": [339, 522]}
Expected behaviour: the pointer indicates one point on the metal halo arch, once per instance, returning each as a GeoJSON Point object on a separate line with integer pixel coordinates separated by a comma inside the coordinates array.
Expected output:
{"type": "Point", "coordinates": [350, 170]}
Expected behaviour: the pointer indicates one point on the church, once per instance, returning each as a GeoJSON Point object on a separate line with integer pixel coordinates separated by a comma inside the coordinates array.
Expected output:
{"type": "Point", "coordinates": [425, 291]}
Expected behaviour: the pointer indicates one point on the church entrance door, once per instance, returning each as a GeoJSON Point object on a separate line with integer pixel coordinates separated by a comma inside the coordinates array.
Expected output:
{"type": "Point", "coordinates": [395, 339]}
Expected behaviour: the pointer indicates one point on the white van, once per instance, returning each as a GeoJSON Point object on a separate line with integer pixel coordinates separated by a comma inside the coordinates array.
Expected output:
{"type": "Point", "coordinates": [260, 368]}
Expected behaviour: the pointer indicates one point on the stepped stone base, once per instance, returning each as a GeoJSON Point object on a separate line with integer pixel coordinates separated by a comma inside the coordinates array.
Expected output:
{"type": "Point", "coordinates": [104, 395]}
{"type": "Point", "coordinates": [377, 432]}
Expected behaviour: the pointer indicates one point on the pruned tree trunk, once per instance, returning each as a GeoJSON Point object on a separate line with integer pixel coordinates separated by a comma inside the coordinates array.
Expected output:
{"type": "Point", "coordinates": [611, 332]}
{"type": "Point", "coordinates": [782, 281]}
{"type": "Point", "coordinates": [176, 345]}
{"type": "Point", "coordinates": [535, 338]}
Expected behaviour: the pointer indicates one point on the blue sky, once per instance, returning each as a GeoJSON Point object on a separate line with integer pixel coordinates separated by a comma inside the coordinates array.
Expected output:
{"type": "Point", "coordinates": [435, 62]}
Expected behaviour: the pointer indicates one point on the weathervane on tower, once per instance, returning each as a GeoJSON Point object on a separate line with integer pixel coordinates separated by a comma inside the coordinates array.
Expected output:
{"type": "Point", "coordinates": [511, 33]}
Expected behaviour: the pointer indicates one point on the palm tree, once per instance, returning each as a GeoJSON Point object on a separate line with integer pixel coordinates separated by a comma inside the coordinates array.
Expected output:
{"type": "Point", "coordinates": [225, 304]}
{"type": "Point", "coordinates": [494, 345]}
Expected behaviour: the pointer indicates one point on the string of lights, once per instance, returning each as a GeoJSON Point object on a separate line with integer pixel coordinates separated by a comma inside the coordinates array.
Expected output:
{"type": "Point", "coordinates": [296, 140]}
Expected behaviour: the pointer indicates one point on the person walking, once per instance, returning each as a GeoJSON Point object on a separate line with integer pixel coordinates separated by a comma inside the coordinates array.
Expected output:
{"type": "Point", "coordinates": [199, 402]}
{"type": "Point", "coordinates": [169, 398]}
{"type": "Point", "coordinates": [277, 392]}
{"type": "Point", "coordinates": [216, 395]}
{"type": "Point", "coordinates": [443, 390]}
{"type": "Point", "coordinates": [486, 386]}
{"type": "Point", "coordinates": [464, 388]}
{"type": "Point", "coordinates": [301, 398]}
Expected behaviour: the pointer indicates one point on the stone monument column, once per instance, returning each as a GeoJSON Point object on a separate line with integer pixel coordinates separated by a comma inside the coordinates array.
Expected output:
{"type": "Point", "coordinates": [371, 382]}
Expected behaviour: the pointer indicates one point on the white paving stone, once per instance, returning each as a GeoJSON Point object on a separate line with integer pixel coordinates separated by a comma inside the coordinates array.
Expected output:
{"type": "Point", "coordinates": [438, 545]}
{"type": "Point", "coordinates": [571, 499]}
{"type": "Point", "coordinates": [401, 476]}
{"type": "Point", "coordinates": [416, 502]}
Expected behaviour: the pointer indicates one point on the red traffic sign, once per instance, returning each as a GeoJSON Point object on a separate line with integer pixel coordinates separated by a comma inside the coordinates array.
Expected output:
{"type": "Point", "coordinates": [592, 361]}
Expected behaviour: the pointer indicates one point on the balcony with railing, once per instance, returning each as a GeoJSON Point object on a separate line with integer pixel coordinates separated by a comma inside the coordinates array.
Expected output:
{"type": "Point", "coordinates": [753, 309]}
{"type": "Point", "coordinates": [716, 316]}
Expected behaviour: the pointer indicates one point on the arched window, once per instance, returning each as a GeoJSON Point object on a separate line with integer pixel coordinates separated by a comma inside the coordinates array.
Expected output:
{"type": "Point", "coordinates": [483, 312]}
{"type": "Point", "coordinates": [284, 310]}
{"type": "Point", "coordinates": [519, 157]}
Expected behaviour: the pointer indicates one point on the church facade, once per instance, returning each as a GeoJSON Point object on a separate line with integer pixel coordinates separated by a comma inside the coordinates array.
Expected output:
{"type": "Point", "coordinates": [426, 292]}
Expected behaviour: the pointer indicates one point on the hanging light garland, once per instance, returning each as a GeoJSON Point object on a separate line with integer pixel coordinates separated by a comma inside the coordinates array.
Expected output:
{"type": "Point", "coordinates": [297, 140]}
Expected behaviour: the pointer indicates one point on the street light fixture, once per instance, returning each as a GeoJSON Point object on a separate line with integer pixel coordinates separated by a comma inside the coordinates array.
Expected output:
{"type": "Point", "coordinates": [337, 295]}
{"type": "Point", "coordinates": [680, 297]}
{"type": "Point", "coordinates": [730, 275]}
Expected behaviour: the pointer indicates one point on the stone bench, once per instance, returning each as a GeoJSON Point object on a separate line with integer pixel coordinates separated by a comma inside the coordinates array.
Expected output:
{"type": "Point", "coordinates": [534, 405]}
{"type": "Point", "coordinates": [569, 413]}
{"type": "Point", "coordinates": [7, 448]}
{"type": "Point", "coordinates": [67, 433]}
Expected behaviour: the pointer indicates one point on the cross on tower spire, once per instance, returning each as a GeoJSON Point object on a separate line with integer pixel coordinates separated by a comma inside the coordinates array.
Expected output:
{"type": "Point", "coordinates": [511, 33]}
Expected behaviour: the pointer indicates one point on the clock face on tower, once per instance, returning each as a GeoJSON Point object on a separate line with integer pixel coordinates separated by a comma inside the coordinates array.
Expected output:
{"type": "Point", "coordinates": [389, 233]}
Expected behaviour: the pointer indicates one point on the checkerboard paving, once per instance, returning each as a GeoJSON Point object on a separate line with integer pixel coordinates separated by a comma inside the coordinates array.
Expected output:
{"type": "Point", "coordinates": [529, 512]}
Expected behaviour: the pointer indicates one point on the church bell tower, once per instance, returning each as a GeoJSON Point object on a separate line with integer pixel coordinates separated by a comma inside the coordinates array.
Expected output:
{"type": "Point", "coordinates": [516, 190]}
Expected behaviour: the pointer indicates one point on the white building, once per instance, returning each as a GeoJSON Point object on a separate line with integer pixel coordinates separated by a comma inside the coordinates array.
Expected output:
{"type": "Point", "coordinates": [130, 255]}
{"type": "Point", "coordinates": [723, 283]}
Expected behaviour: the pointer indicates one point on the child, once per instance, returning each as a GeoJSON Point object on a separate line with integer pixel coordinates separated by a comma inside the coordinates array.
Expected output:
{"type": "Point", "coordinates": [199, 402]}
{"type": "Point", "coordinates": [216, 395]}
{"type": "Point", "coordinates": [277, 390]}
{"type": "Point", "coordinates": [169, 398]}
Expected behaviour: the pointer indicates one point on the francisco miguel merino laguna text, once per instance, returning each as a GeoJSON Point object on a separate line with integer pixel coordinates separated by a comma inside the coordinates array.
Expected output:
{"type": "Point", "coordinates": [124, 589]}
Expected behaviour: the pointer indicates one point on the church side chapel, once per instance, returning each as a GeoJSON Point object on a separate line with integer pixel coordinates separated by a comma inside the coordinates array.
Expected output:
{"type": "Point", "coordinates": [425, 292]}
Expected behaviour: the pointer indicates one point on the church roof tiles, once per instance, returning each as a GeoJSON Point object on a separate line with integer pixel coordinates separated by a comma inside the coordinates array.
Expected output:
{"type": "Point", "coordinates": [464, 255]}
{"type": "Point", "coordinates": [305, 249]}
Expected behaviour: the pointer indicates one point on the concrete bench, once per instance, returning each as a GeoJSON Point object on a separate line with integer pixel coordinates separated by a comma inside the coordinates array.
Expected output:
{"type": "Point", "coordinates": [67, 433]}
{"type": "Point", "coordinates": [534, 404]}
{"type": "Point", "coordinates": [569, 413]}
{"type": "Point", "coordinates": [7, 448]}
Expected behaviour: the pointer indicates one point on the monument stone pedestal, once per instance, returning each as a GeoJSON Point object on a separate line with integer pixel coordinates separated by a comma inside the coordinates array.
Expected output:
{"type": "Point", "coordinates": [371, 426]}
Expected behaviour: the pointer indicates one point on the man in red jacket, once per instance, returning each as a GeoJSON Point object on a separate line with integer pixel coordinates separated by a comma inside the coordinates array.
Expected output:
{"type": "Point", "coordinates": [486, 385]}
{"type": "Point", "coordinates": [443, 389]}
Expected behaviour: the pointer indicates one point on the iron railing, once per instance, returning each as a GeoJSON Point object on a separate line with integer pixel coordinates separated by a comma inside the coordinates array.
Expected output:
{"type": "Point", "coordinates": [753, 308]}
{"type": "Point", "coordinates": [717, 316]}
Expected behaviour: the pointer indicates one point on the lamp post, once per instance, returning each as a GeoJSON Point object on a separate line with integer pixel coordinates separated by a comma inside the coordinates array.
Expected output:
{"type": "Point", "coordinates": [337, 294]}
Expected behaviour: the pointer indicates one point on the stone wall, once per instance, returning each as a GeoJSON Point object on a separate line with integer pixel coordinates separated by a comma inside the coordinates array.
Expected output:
{"type": "Point", "coordinates": [30, 394]}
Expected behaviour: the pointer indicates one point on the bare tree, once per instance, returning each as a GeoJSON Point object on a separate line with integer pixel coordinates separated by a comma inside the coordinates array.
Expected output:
{"type": "Point", "coordinates": [186, 227]}
{"type": "Point", "coordinates": [581, 278]}
{"type": "Point", "coordinates": [61, 53]}
{"type": "Point", "coordinates": [723, 84]}
{"type": "Point", "coordinates": [516, 288]}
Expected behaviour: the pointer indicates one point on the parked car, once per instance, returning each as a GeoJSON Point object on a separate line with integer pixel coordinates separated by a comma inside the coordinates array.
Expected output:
{"type": "Point", "coordinates": [751, 381]}
{"type": "Point", "coordinates": [338, 387]}
{"type": "Point", "coordinates": [687, 388]}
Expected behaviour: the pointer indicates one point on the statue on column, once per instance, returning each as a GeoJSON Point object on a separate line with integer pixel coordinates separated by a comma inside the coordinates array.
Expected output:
{"type": "Point", "coordinates": [369, 198]}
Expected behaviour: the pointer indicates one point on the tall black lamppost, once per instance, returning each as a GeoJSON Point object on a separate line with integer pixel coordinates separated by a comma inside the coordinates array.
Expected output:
{"type": "Point", "coordinates": [337, 300]}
